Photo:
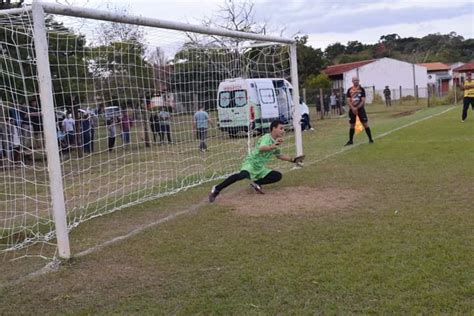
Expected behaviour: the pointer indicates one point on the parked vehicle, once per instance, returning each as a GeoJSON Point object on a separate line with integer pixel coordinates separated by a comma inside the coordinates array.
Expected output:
{"type": "Point", "coordinates": [245, 105]}
{"type": "Point", "coordinates": [111, 112]}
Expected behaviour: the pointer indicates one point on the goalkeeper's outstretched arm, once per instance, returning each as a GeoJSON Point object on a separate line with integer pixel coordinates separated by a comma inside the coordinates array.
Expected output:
{"type": "Point", "coordinates": [291, 159]}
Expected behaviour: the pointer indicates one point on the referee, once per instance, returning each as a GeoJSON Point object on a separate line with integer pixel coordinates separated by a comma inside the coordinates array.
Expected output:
{"type": "Point", "coordinates": [356, 101]}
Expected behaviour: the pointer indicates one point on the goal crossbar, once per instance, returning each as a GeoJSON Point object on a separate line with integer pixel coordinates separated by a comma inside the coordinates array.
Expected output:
{"type": "Point", "coordinates": [152, 22]}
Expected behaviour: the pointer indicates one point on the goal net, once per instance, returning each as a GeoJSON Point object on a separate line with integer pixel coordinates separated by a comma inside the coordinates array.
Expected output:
{"type": "Point", "coordinates": [125, 101]}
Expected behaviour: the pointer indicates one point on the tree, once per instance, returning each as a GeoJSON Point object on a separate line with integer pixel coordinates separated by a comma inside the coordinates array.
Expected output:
{"type": "Point", "coordinates": [334, 50]}
{"type": "Point", "coordinates": [120, 72]}
{"type": "Point", "coordinates": [310, 60]}
{"type": "Point", "coordinates": [66, 55]}
{"type": "Point", "coordinates": [233, 15]}
{"type": "Point", "coordinates": [354, 47]}
{"type": "Point", "coordinates": [109, 32]}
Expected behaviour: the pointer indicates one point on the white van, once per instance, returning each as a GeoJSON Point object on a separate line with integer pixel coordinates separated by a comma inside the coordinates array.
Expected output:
{"type": "Point", "coordinates": [111, 112]}
{"type": "Point", "coordinates": [252, 104]}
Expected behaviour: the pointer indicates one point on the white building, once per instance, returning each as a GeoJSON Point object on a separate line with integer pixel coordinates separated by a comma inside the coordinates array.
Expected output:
{"type": "Point", "coordinates": [403, 78]}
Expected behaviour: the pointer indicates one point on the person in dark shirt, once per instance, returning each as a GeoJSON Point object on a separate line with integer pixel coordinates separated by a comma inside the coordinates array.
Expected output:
{"type": "Point", "coordinates": [388, 96]}
{"type": "Point", "coordinates": [356, 101]}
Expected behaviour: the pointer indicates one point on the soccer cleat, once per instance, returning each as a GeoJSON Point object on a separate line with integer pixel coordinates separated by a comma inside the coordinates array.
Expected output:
{"type": "Point", "coordinates": [214, 193]}
{"type": "Point", "coordinates": [257, 188]}
{"type": "Point", "coordinates": [349, 143]}
{"type": "Point", "coordinates": [371, 141]}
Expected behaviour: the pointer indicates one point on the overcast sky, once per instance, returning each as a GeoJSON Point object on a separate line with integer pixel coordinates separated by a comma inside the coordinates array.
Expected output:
{"type": "Point", "coordinates": [325, 21]}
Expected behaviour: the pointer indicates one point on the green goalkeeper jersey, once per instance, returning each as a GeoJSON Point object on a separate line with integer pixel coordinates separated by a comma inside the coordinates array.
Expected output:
{"type": "Point", "coordinates": [255, 162]}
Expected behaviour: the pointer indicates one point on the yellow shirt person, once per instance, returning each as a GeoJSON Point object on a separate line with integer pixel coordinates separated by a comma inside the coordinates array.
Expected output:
{"type": "Point", "coordinates": [468, 88]}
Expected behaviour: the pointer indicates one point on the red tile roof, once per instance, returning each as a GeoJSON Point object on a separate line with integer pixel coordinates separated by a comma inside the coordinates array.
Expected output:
{"type": "Point", "coordinates": [435, 66]}
{"type": "Point", "coordinates": [342, 68]}
{"type": "Point", "coordinates": [469, 67]}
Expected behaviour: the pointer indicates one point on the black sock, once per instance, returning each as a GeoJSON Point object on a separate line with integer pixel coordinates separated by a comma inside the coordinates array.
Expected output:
{"type": "Point", "coordinates": [369, 133]}
{"type": "Point", "coordinates": [351, 134]}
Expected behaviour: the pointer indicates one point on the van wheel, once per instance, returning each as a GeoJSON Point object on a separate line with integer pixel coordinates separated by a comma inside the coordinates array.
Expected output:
{"type": "Point", "coordinates": [232, 133]}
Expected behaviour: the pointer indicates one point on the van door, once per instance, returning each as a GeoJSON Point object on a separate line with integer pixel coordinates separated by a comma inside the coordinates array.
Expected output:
{"type": "Point", "coordinates": [268, 100]}
{"type": "Point", "coordinates": [233, 109]}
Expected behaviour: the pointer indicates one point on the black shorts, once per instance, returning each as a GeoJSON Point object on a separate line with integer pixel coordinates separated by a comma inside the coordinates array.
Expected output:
{"type": "Point", "coordinates": [362, 116]}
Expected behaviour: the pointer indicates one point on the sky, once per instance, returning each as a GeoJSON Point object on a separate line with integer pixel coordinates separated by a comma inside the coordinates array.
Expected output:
{"type": "Point", "coordinates": [324, 21]}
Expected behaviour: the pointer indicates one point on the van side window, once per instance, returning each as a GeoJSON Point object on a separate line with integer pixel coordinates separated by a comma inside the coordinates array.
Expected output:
{"type": "Point", "coordinates": [267, 96]}
{"type": "Point", "coordinates": [232, 99]}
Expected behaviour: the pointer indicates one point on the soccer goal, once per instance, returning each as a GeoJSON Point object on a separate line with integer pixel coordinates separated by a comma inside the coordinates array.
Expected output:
{"type": "Point", "coordinates": [99, 114]}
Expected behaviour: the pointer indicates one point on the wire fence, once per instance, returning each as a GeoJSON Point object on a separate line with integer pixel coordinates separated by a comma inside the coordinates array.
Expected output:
{"type": "Point", "coordinates": [330, 102]}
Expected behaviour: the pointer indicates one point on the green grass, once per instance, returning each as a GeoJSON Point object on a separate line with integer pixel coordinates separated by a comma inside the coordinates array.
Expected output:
{"type": "Point", "coordinates": [404, 248]}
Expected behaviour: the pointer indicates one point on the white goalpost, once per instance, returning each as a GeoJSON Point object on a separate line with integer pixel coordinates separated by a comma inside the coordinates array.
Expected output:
{"type": "Point", "coordinates": [98, 114]}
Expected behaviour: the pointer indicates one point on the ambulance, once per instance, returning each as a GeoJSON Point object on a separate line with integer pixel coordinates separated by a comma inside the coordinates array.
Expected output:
{"type": "Point", "coordinates": [245, 105]}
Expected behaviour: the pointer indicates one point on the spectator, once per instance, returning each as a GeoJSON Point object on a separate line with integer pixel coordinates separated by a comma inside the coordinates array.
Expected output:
{"type": "Point", "coordinates": [164, 118]}
{"type": "Point", "coordinates": [201, 126]}
{"type": "Point", "coordinates": [339, 106]}
{"type": "Point", "coordinates": [333, 102]}
{"type": "Point", "coordinates": [93, 123]}
{"type": "Point", "coordinates": [111, 132]}
{"type": "Point", "coordinates": [14, 143]}
{"type": "Point", "coordinates": [154, 125]}
{"type": "Point", "coordinates": [326, 101]}
{"type": "Point", "coordinates": [388, 96]}
{"type": "Point", "coordinates": [318, 103]}
{"type": "Point", "coordinates": [26, 127]}
{"type": "Point", "coordinates": [69, 127]}
{"type": "Point", "coordinates": [305, 120]}
{"type": "Point", "coordinates": [86, 132]}
{"type": "Point", "coordinates": [36, 122]}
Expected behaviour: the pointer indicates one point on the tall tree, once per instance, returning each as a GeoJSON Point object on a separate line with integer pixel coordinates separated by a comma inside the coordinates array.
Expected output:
{"type": "Point", "coordinates": [310, 60]}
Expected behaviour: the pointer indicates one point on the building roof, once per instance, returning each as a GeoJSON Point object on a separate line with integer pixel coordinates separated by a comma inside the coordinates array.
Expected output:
{"type": "Point", "coordinates": [435, 66]}
{"type": "Point", "coordinates": [342, 68]}
{"type": "Point", "coordinates": [469, 67]}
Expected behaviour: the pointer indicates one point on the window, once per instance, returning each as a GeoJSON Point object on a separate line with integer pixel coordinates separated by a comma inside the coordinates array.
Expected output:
{"type": "Point", "coordinates": [232, 99]}
{"type": "Point", "coordinates": [267, 96]}
{"type": "Point", "coordinates": [240, 98]}
{"type": "Point", "coordinates": [224, 99]}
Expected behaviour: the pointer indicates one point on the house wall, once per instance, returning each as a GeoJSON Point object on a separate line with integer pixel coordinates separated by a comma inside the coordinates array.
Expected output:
{"type": "Point", "coordinates": [393, 73]}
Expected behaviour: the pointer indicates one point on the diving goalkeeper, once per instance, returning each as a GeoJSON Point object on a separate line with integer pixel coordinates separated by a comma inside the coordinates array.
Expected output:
{"type": "Point", "coordinates": [254, 165]}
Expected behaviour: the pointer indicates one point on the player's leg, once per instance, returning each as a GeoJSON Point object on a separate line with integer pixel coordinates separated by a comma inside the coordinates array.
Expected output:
{"type": "Point", "coordinates": [352, 120]}
{"type": "Point", "coordinates": [224, 184]}
{"type": "Point", "coordinates": [272, 177]}
{"type": "Point", "coordinates": [465, 108]}
{"type": "Point", "coordinates": [365, 122]}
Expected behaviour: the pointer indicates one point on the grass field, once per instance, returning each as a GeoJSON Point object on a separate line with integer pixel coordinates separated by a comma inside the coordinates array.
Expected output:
{"type": "Point", "coordinates": [384, 228]}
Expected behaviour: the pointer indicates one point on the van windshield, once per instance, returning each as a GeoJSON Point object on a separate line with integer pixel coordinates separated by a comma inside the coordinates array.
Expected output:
{"type": "Point", "coordinates": [232, 99]}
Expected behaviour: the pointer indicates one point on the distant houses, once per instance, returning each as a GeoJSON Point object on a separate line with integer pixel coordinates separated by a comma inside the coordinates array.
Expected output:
{"type": "Point", "coordinates": [401, 77]}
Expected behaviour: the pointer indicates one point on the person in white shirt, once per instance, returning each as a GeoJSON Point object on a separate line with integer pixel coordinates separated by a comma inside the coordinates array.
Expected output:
{"type": "Point", "coordinates": [333, 102]}
{"type": "Point", "coordinates": [69, 127]}
{"type": "Point", "coordinates": [305, 121]}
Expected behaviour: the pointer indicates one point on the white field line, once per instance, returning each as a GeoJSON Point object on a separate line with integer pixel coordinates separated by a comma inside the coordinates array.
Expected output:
{"type": "Point", "coordinates": [54, 265]}
{"type": "Point", "coordinates": [347, 148]}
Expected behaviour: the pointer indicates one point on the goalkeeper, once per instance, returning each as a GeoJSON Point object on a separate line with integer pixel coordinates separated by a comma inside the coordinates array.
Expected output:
{"type": "Point", "coordinates": [254, 166]}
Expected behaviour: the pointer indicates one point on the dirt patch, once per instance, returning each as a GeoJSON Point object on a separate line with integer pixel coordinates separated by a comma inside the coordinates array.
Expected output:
{"type": "Point", "coordinates": [406, 113]}
{"type": "Point", "coordinates": [291, 200]}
